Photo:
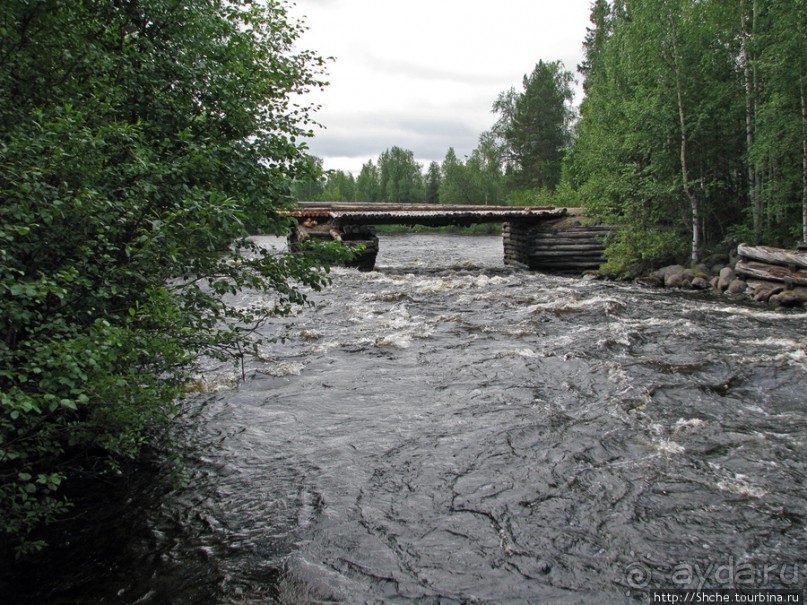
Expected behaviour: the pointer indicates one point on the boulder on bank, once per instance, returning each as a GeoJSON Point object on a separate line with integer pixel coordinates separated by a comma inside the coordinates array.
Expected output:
{"type": "Point", "coordinates": [789, 298]}
{"type": "Point", "coordinates": [702, 270]}
{"type": "Point", "coordinates": [716, 262]}
{"type": "Point", "coordinates": [681, 279]}
{"type": "Point", "coordinates": [724, 278]}
{"type": "Point", "coordinates": [662, 275]}
{"type": "Point", "coordinates": [737, 286]}
{"type": "Point", "coordinates": [678, 276]}
{"type": "Point", "coordinates": [777, 284]}
{"type": "Point", "coordinates": [700, 283]}
{"type": "Point", "coordinates": [763, 292]}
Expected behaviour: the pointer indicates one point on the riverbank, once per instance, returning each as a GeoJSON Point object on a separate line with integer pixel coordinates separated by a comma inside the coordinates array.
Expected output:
{"type": "Point", "coordinates": [766, 275]}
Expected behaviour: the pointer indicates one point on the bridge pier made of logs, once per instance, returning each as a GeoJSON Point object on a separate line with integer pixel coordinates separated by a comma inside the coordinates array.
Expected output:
{"type": "Point", "coordinates": [537, 238]}
{"type": "Point", "coordinates": [567, 244]}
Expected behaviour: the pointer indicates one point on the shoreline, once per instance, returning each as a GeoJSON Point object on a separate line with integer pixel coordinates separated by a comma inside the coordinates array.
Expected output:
{"type": "Point", "coordinates": [773, 276]}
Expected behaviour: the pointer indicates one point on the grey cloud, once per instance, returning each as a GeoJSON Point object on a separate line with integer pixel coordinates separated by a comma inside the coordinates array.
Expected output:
{"type": "Point", "coordinates": [421, 71]}
{"type": "Point", "coordinates": [428, 137]}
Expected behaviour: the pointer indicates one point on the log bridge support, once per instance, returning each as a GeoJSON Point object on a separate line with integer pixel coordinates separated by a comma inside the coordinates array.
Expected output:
{"type": "Point", "coordinates": [565, 244]}
{"type": "Point", "coordinates": [537, 238]}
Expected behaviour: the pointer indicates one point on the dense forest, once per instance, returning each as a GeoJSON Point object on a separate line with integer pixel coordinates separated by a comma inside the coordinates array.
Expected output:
{"type": "Point", "coordinates": [693, 131]}
{"type": "Point", "coordinates": [691, 137]}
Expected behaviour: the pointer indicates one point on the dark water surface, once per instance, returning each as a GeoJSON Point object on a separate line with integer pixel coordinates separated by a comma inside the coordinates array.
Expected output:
{"type": "Point", "coordinates": [447, 430]}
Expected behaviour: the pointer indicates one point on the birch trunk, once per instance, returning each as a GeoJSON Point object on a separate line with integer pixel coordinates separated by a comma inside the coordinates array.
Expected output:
{"type": "Point", "coordinates": [754, 196]}
{"type": "Point", "coordinates": [804, 163]}
{"type": "Point", "coordinates": [694, 202]}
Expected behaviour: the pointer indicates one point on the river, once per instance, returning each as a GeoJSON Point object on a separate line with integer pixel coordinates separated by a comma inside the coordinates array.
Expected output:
{"type": "Point", "coordinates": [448, 430]}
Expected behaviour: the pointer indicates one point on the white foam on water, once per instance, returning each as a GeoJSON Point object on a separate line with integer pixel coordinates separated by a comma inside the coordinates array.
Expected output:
{"type": "Point", "coordinates": [608, 304]}
{"type": "Point", "coordinates": [617, 374]}
{"type": "Point", "coordinates": [422, 330]}
{"type": "Point", "coordinates": [562, 345]}
{"type": "Point", "coordinates": [400, 340]}
{"type": "Point", "coordinates": [454, 317]}
{"type": "Point", "coordinates": [342, 271]}
{"type": "Point", "coordinates": [435, 285]}
{"type": "Point", "coordinates": [515, 332]}
{"type": "Point", "coordinates": [616, 336]}
{"type": "Point", "coordinates": [797, 356]}
{"type": "Point", "coordinates": [525, 353]}
{"type": "Point", "coordinates": [310, 334]}
{"type": "Point", "coordinates": [684, 326]}
{"type": "Point", "coordinates": [215, 384]}
{"type": "Point", "coordinates": [771, 341]}
{"type": "Point", "coordinates": [740, 485]}
{"type": "Point", "coordinates": [738, 312]}
{"type": "Point", "coordinates": [396, 318]}
{"type": "Point", "coordinates": [669, 447]}
{"type": "Point", "coordinates": [485, 296]}
{"type": "Point", "coordinates": [359, 313]}
{"type": "Point", "coordinates": [381, 325]}
{"type": "Point", "coordinates": [485, 281]}
{"type": "Point", "coordinates": [791, 351]}
{"type": "Point", "coordinates": [284, 368]}
{"type": "Point", "coordinates": [684, 424]}
{"type": "Point", "coordinates": [325, 347]}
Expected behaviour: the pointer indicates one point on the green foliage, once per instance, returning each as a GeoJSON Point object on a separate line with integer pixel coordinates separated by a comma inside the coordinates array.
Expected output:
{"type": "Point", "coordinates": [532, 197]}
{"type": "Point", "coordinates": [311, 186]}
{"type": "Point", "coordinates": [737, 123]}
{"type": "Point", "coordinates": [535, 125]}
{"type": "Point", "coordinates": [401, 180]}
{"type": "Point", "coordinates": [340, 186]}
{"type": "Point", "coordinates": [432, 183]}
{"type": "Point", "coordinates": [477, 181]}
{"type": "Point", "coordinates": [778, 60]}
{"type": "Point", "coordinates": [395, 178]}
{"type": "Point", "coordinates": [454, 184]}
{"type": "Point", "coordinates": [325, 186]}
{"type": "Point", "coordinates": [634, 252]}
{"type": "Point", "coordinates": [368, 184]}
{"type": "Point", "coordinates": [140, 143]}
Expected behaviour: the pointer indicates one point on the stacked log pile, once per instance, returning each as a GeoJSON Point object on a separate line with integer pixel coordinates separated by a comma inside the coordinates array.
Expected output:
{"type": "Point", "coordinates": [565, 245]}
{"type": "Point", "coordinates": [774, 273]}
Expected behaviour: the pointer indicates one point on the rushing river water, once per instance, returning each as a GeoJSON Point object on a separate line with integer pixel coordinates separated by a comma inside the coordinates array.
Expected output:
{"type": "Point", "coordinates": [448, 430]}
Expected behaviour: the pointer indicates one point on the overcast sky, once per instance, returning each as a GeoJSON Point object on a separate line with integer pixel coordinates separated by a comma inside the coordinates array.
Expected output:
{"type": "Point", "coordinates": [423, 74]}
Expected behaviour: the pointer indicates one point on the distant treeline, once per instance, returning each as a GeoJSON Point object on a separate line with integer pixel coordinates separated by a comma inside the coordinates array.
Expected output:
{"type": "Point", "coordinates": [692, 135]}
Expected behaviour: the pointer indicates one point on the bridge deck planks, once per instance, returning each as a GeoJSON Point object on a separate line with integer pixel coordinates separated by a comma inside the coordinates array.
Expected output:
{"type": "Point", "coordinates": [430, 215]}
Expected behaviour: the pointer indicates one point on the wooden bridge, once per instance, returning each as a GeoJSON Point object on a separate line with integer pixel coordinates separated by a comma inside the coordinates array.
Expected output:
{"type": "Point", "coordinates": [528, 240]}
